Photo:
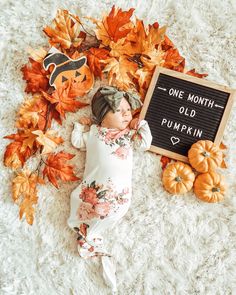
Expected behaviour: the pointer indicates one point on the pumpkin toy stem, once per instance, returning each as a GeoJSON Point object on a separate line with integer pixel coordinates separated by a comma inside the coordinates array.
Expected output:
{"type": "Point", "coordinates": [178, 178]}
{"type": "Point", "coordinates": [206, 154]}
{"type": "Point", "coordinates": [215, 189]}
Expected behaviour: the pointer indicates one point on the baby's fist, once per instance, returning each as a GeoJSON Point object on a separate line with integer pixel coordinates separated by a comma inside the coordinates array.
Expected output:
{"type": "Point", "coordinates": [85, 121]}
{"type": "Point", "coordinates": [134, 123]}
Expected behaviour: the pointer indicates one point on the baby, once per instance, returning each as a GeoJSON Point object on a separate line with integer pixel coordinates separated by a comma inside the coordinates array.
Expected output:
{"type": "Point", "coordinates": [104, 195]}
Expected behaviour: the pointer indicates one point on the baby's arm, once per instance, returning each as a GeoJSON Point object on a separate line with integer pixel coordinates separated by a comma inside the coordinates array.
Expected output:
{"type": "Point", "coordinates": [142, 139]}
{"type": "Point", "coordinates": [79, 136]}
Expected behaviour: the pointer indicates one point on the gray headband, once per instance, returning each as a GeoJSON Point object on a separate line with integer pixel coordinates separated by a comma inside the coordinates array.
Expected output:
{"type": "Point", "coordinates": [111, 101]}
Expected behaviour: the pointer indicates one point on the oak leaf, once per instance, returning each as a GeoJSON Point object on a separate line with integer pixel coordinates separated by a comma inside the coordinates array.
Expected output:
{"type": "Point", "coordinates": [56, 168]}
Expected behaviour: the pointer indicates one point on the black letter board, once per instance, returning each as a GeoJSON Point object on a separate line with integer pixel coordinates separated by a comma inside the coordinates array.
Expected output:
{"type": "Point", "coordinates": [182, 109]}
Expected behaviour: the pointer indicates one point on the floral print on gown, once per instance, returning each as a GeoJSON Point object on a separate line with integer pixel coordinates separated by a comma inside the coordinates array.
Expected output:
{"type": "Point", "coordinates": [104, 195]}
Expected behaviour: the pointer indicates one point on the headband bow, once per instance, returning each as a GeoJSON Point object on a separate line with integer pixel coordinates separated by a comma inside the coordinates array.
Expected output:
{"type": "Point", "coordinates": [113, 96]}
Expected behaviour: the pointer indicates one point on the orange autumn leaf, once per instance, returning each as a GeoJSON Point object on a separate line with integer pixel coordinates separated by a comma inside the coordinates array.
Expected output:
{"type": "Point", "coordinates": [61, 97]}
{"type": "Point", "coordinates": [65, 31]}
{"type": "Point", "coordinates": [223, 147]}
{"type": "Point", "coordinates": [114, 26]}
{"type": "Point", "coordinates": [21, 149]}
{"type": "Point", "coordinates": [195, 74]}
{"type": "Point", "coordinates": [167, 44]}
{"type": "Point", "coordinates": [94, 55]}
{"type": "Point", "coordinates": [164, 161]}
{"type": "Point", "coordinates": [47, 140]}
{"type": "Point", "coordinates": [56, 168]}
{"type": "Point", "coordinates": [120, 72]}
{"type": "Point", "coordinates": [172, 59]}
{"type": "Point", "coordinates": [24, 193]}
{"type": "Point", "coordinates": [35, 76]}
{"type": "Point", "coordinates": [32, 113]}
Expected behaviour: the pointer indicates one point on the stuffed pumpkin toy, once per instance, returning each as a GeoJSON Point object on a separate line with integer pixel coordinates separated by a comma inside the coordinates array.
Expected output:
{"type": "Point", "coordinates": [178, 178]}
{"type": "Point", "coordinates": [204, 156]}
{"type": "Point", "coordinates": [210, 187]}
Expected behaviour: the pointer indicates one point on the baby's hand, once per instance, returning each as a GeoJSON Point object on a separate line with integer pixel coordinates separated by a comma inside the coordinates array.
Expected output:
{"type": "Point", "coordinates": [85, 121]}
{"type": "Point", "coordinates": [134, 123]}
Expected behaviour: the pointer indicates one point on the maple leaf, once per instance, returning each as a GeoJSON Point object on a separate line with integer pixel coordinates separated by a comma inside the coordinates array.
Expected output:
{"type": "Point", "coordinates": [35, 76]}
{"type": "Point", "coordinates": [193, 73]}
{"type": "Point", "coordinates": [21, 149]}
{"type": "Point", "coordinates": [94, 55]}
{"type": "Point", "coordinates": [37, 54]}
{"type": "Point", "coordinates": [24, 193]}
{"type": "Point", "coordinates": [114, 26]}
{"type": "Point", "coordinates": [32, 112]}
{"type": "Point", "coordinates": [66, 30]}
{"type": "Point", "coordinates": [223, 147]}
{"type": "Point", "coordinates": [120, 72]}
{"type": "Point", "coordinates": [56, 168]}
{"type": "Point", "coordinates": [173, 60]}
{"type": "Point", "coordinates": [143, 76]}
{"type": "Point", "coordinates": [63, 99]}
{"type": "Point", "coordinates": [164, 161]}
{"type": "Point", "coordinates": [47, 140]}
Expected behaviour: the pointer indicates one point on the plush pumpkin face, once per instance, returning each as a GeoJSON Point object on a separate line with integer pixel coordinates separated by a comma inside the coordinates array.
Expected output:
{"type": "Point", "coordinates": [210, 187]}
{"type": "Point", "coordinates": [178, 178]}
{"type": "Point", "coordinates": [204, 155]}
{"type": "Point", "coordinates": [65, 68]}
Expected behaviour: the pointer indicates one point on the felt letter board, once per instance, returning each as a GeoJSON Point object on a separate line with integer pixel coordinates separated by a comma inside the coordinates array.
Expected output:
{"type": "Point", "coordinates": [182, 109]}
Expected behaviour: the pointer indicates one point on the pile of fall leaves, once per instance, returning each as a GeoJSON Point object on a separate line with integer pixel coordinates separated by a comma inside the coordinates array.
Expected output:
{"type": "Point", "coordinates": [122, 51]}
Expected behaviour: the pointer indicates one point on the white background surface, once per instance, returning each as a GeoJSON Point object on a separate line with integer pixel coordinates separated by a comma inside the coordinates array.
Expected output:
{"type": "Point", "coordinates": [165, 244]}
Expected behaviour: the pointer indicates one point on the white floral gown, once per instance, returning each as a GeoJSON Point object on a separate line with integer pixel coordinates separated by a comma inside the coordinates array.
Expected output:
{"type": "Point", "coordinates": [104, 195]}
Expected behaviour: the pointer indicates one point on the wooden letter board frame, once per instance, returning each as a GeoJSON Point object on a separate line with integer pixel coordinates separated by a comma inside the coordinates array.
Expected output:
{"type": "Point", "coordinates": [196, 81]}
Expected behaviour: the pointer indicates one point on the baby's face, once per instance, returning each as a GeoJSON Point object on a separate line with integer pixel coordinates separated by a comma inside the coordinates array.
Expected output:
{"type": "Point", "coordinates": [120, 119]}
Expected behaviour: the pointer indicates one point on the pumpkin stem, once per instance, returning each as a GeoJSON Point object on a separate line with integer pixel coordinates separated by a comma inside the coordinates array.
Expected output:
{"type": "Point", "coordinates": [215, 189]}
{"type": "Point", "coordinates": [178, 178]}
{"type": "Point", "coordinates": [206, 154]}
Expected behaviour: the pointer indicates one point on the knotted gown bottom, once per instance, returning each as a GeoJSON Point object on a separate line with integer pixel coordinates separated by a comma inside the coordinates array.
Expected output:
{"type": "Point", "coordinates": [91, 226]}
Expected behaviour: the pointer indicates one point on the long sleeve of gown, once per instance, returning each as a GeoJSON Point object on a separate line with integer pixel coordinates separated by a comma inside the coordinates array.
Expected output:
{"type": "Point", "coordinates": [79, 136]}
{"type": "Point", "coordinates": [143, 138]}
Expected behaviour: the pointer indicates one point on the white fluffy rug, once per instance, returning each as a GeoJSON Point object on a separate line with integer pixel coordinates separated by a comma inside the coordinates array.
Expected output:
{"type": "Point", "coordinates": [165, 245]}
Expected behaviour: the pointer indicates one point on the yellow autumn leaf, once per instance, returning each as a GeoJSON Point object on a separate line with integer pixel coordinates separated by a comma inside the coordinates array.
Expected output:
{"type": "Point", "coordinates": [24, 192]}
{"type": "Point", "coordinates": [27, 113]}
{"type": "Point", "coordinates": [37, 54]}
{"type": "Point", "coordinates": [120, 72]}
{"type": "Point", "coordinates": [47, 140]}
{"type": "Point", "coordinates": [65, 31]}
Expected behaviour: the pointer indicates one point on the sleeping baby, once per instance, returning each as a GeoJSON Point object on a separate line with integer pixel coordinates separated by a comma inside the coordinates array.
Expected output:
{"type": "Point", "coordinates": [104, 195]}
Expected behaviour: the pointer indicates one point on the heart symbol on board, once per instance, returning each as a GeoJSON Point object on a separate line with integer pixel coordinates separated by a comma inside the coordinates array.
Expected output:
{"type": "Point", "coordinates": [174, 140]}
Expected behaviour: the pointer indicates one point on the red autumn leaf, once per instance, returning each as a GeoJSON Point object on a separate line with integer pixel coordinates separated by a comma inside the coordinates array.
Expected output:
{"type": "Point", "coordinates": [167, 44]}
{"type": "Point", "coordinates": [56, 168]}
{"type": "Point", "coordinates": [94, 55]}
{"type": "Point", "coordinates": [114, 26]}
{"type": "Point", "coordinates": [35, 76]}
{"type": "Point", "coordinates": [164, 161]}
